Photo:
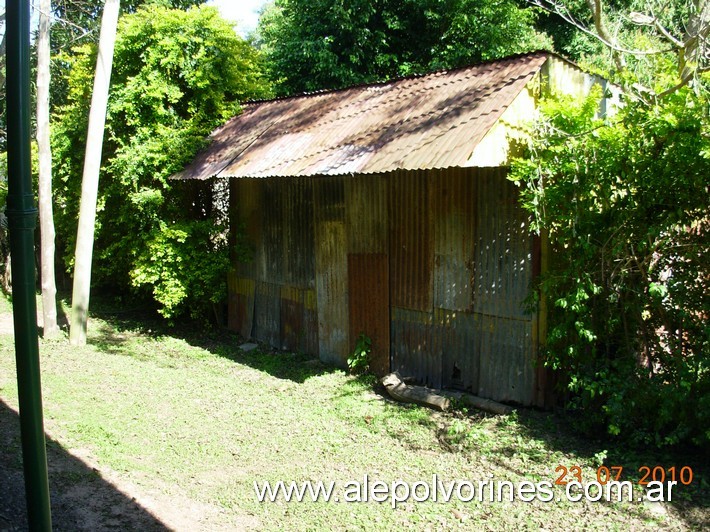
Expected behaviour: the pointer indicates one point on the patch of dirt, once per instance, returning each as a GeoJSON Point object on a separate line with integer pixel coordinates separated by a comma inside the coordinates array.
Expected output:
{"type": "Point", "coordinates": [6, 324]}
{"type": "Point", "coordinates": [87, 496]}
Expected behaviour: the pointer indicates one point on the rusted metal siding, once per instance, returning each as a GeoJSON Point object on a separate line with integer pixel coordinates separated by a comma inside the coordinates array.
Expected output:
{"type": "Point", "coordinates": [368, 266]}
{"type": "Point", "coordinates": [267, 313]}
{"type": "Point", "coordinates": [506, 365]}
{"type": "Point", "coordinates": [240, 301]}
{"type": "Point", "coordinates": [367, 215]}
{"type": "Point", "coordinates": [432, 244]}
{"type": "Point", "coordinates": [273, 217]}
{"type": "Point", "coordinates": [297, 232]}
{"type": "Point", "coordinates": [272, 297]}
{"type": "Point", "coordinates": [461, 348]}
{"type": "Point", "coordinates": [414, 351]}
{"type": "Point", "coordinates": [410, 241]}
{"type": "Point", "coordinates": [503, 259]}
{"type": "Point", "coordinates": [464, 326]}
{"type": "Point", "coordinates": [245, 214]}
{"type": "Point", "coordinates": [453, 201]}
{"type": "Point", "coordinates": [432, 266]}
{"type": "Point", "coordinates": [331, 267]}
{"type": "Point", "coordinates": [299, 320]}
{"type": "Point", "coordinates": [503, 266]}
{"type": "Point", "coordinates": [368, 306]}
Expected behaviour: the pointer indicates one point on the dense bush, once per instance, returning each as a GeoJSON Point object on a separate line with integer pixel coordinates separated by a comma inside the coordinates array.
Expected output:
{"type": "Point", "coordinates": [624, 202]}
{"type": "Point", "coordinates": [177, 75]}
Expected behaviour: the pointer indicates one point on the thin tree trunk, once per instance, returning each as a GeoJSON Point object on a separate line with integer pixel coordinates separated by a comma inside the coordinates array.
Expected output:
{"type": "Point", "coordinates": [46, 215]}
{"type": "Point", "coordinates": [90, 180]}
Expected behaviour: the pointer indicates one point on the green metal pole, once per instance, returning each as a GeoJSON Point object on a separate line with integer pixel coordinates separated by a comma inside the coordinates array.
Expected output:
{"type": "Point", "coordinates": [22, 219]}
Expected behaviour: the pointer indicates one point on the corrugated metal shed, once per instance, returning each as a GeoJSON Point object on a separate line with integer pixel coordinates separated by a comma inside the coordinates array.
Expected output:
{"type": "Point", "coordinates": [432, 121]}
{"type": "Point", "coordinates": [387, 212]}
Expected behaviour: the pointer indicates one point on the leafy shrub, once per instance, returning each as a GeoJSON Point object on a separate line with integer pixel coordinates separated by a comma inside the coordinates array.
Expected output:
{"type": "Point", "coordinates": [359, 360]}
{"type": "Point", "coordinates": [624, 203]}
{"type": "Point", "coordinates": [176, 76]}
{"type": "Point", "coordinates": [186, 265]}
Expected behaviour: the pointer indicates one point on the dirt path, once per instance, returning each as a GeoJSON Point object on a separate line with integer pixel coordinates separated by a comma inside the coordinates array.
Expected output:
{"type": "Point", "coordinates": [6, 324]}
{"type": "Point", "coordinates": [88, 496]}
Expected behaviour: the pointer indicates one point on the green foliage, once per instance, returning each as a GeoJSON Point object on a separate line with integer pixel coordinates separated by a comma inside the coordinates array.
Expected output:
{"type": "Point", "coordinates": [173, 263]}
{"type": "Point", "coordinates": [359, 360]}
{"type": "Point", "coordinates": [177, 75]}
{"type": "Point", "coordinates": [624, 201]}
{"type": "Point", "coordinates": [77, 23]}
{"type": "Point", "coordinates": [649, 47]}
{"type": "Point", "coordinates": [320, 44]}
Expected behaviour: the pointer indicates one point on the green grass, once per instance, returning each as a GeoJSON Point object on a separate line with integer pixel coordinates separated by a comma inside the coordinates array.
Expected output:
{"type": "Point", "coordinates": [186, 413]}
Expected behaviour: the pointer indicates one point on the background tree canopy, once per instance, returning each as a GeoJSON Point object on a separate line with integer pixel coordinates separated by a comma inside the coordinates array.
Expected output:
{"type": "Point", "coordinates": [177, 75]}
{"type": "Point", "coordinates": [321, 44]}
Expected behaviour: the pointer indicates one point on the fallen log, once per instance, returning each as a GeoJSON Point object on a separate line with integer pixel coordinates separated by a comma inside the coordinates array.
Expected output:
{"type": "Point", "coordinates": [487, 405]}
{"type": "Point", "coordinates": [420, 395]}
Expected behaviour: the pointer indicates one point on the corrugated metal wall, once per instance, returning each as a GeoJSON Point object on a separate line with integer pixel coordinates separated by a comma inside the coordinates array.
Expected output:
{"type": "Point", "coordinates": [368, 265]}
{"type": "Point", "coordinates": [453, 199]}
{"type": "Point", "coordinates": [433, 266]}
{"type": "Point", "coordinates": [332, 269]}
{"type": "Point", "coordinates": [503, 272]}
{"type": "Point", "coordinates": [272, 297]}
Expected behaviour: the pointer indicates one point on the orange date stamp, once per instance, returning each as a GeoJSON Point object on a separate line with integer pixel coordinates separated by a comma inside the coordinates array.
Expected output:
{"type": "Point", "coordinates": [606, 474]}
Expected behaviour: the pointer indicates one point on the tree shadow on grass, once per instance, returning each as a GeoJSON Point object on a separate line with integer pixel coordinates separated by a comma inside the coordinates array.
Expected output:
{"type": "Point", "coordinates": [558, 432]}
{"type": "Point", "coordinates": [81, 499]}
{"type": "Point", "coordinates": [296, 367]}
{"type": "Point", "coordinates": [112, 335]}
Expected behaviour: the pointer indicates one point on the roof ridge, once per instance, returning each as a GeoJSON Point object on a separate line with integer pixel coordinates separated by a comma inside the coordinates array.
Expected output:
{"type": "Point", "coordinates": [440, 71]}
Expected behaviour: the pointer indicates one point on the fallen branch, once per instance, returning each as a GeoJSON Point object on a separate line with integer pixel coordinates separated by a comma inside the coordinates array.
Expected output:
{"type": "Point", "coordinates": [413, 394]}
{"type": "Point", "coordinates": [487, 405]}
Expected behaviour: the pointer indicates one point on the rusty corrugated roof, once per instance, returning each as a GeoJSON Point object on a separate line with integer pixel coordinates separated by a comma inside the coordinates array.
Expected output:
{"type": "Point", "coordinates": [431, 121]}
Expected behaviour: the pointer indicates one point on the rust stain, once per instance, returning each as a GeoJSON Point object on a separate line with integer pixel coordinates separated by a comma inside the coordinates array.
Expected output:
{"type": "Point", "coordinates": [298, 320]}
{"type": "Point", "coordinates": [366, 213]}
{"type": "Point", "coordinates": [331, 265]}
{"type": "Point", "coordinates": [423, 122]}
{"type": "Point", "coordinates": [240, 304]}
{"type": "Point", "coordinates": [432, 265]}
{"type": "Point", "coordinates": [368, 297]}
{"type": "Point", "coordinates": [410, 242]}
{"type": "Point", "coordinates": [292, 322]}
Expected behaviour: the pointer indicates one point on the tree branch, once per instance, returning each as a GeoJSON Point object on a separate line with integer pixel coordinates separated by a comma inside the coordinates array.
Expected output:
{"type": "Point", "coordinates": [561, 11]}
{"type": "Point", "coordinates": [691, 50]}
{"type": "Point", "coordinates": [595, 6]}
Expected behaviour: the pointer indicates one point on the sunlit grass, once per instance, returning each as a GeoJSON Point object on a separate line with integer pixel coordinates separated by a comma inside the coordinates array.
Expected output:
{"type": "Point", "coordinates": [188, 413]}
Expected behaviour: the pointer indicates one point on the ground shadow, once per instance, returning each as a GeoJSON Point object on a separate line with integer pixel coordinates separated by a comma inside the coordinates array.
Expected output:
{"type": "Point", "coordinates": [557, 430]}
{"type": "Point", "coordinates": [80, 498]}
{"type": "Point", "coordinates": [287, 365]}
{"type": "Point", "coordinates": [560, 432]}
{"type": "Point", "coordinates": [296, 367]}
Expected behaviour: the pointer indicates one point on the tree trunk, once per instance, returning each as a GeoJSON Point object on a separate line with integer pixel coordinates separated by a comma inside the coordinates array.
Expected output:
{"type": "Point", "coordinates": [90, 179]}
{"type": "Point", "coordinates": [46, 215]}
